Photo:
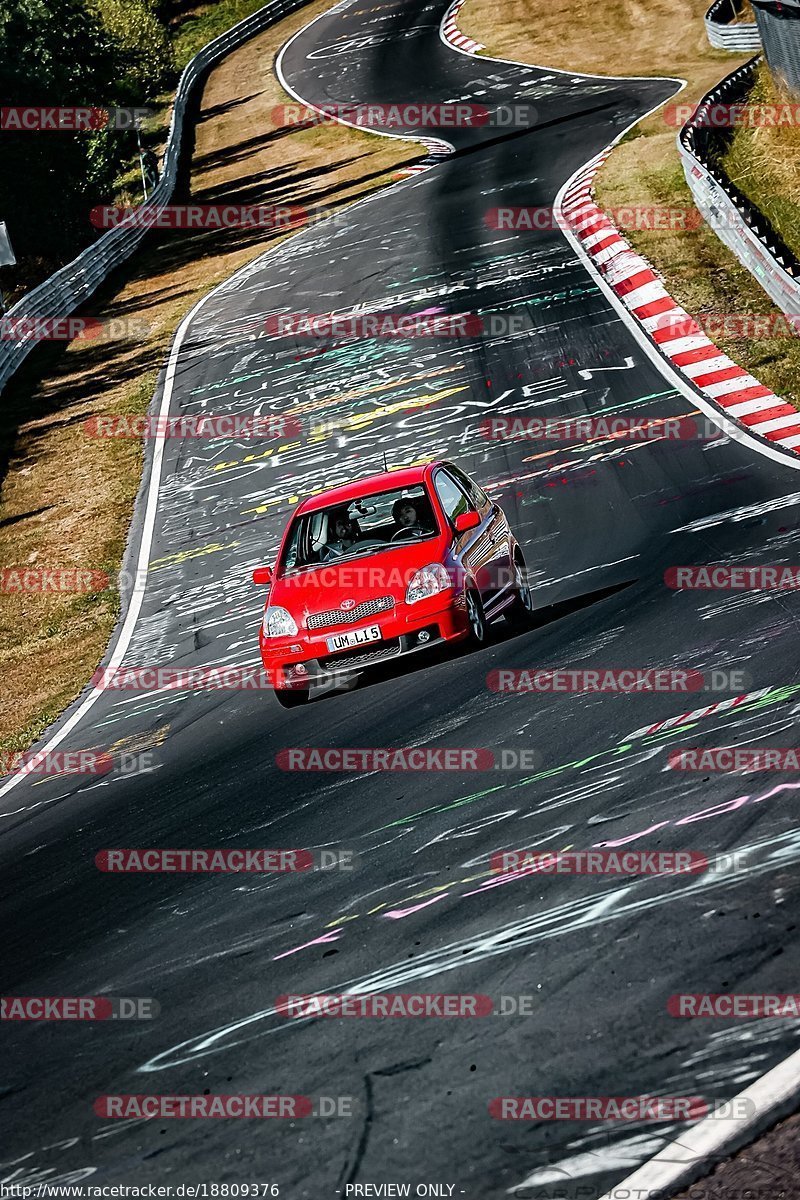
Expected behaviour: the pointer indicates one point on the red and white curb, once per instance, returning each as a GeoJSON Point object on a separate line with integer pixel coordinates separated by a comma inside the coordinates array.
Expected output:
{"type": "Point", "coordinates": [698, 713]}
{"type": "Point", "coordinates": [739, 394]}
{"type": "Point", "coordinates": [453, 35]}
{"type": "Point", "coordinates": [437, 149]}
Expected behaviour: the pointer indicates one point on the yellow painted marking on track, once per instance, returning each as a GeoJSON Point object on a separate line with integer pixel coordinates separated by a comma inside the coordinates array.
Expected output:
{"type": "Point", "coordinates": [358, 393]}
{"type": "Point", "coordinates": [357, 420]}
{"type": "Point", "coordinates": [133, 743]}
{"type": "Point", "coordinates": [248, 458]}
{"type": "Point", "coordinates": [140, 741]}
{"type": "Point", "coordinates": [185, 555]}
{"type": "Point", "coordinates": [473, 878]}
{"type": "Point", "coordinates": [354, 422]}
{"type": "Point", "coordinates": [442, 887]}
{"type": "Point", "coordinates": [262, 508]}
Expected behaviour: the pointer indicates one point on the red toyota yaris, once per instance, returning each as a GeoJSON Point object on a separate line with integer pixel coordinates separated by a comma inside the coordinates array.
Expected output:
{"type": "Point", "coordinates": [387, 566]}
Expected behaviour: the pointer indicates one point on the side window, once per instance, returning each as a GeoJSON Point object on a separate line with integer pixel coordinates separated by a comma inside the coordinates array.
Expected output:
{"type": "Point", "coordinates": [452, 498]}
{"type": "Point", "coordinates": [477, 497]}
{"type": "Point", "coordinates": [290, 554]}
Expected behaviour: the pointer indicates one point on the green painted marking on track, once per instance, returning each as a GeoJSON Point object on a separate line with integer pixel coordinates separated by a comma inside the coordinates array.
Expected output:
{"type": "Point", "coordinates": [774, 697]}
{"type": "Point", "coordinates": [437, 808]}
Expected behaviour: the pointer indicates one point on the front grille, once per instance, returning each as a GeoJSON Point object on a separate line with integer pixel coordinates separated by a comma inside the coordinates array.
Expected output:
{"type": "Point", "coordinates": [361, 658]}
{"type": "Point", "coordinates": [335, 616]}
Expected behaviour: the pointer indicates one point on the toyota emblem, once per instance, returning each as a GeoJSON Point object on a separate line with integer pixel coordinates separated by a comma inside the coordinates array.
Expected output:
{"type": "Point", "coordinates": [346, 605]}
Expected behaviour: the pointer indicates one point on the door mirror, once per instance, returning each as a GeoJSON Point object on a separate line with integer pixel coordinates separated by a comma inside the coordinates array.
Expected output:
{"type": "Point", "coordinates": [467, 520]}
{"type": "Point", "coordinates": [262, 575]}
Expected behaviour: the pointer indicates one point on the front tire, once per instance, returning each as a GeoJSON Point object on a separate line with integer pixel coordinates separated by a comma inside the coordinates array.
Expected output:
{"type": "Point", "coordinates": [291, 697]}
{"type": "Point", "coordinates": [521, 614]}
{"type": "Point", "coordinates": [476, 618]}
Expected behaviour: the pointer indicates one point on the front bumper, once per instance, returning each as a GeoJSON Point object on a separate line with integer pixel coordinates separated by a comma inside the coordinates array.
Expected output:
{"type": "Point", "coordinates": [304, 660]}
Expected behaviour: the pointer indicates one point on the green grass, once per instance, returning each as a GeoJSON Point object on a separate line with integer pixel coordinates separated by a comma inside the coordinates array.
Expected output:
{"type": "Point", "coordinates": [765, 164]}
{"type": "Point", "coordinates": [207, 23]}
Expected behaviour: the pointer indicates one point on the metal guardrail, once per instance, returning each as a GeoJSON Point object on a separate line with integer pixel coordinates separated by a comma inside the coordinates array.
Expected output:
{"type": "Point", "coordinates": [737, 223]}
{"type": "Point", "coordinates": [779, 29]}
{"type": "Point", "coordinates": [723, 31]}
{"type": "Point", "coordinates": [69, 287]}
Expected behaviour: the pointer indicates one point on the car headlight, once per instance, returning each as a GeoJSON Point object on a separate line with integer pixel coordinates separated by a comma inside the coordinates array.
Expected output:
{"type": "Point", "coordinates": [278, 622]}
{"type": "Point", "coordinates": [427, 582]}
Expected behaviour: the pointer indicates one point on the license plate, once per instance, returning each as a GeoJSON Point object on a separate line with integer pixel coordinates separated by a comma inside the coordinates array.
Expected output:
{"type": "Point", "coordinates": [355, 637]}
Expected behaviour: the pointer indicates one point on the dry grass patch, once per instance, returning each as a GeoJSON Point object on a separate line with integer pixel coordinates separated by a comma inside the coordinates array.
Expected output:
{"type": "Point", "coordinates": [646, 37]}
{"type": "Point", "coordinates": [764, 162]}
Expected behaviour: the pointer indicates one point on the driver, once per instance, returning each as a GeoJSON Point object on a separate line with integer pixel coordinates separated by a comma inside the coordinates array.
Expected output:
{"type": "Point", "coordinates": [407, 518]}
{"type": "Point", "coordinates": [342, 534]}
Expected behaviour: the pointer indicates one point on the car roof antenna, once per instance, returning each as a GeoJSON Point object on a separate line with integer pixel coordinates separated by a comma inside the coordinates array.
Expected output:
{"type": "Point", "coordinates": [385, 467]}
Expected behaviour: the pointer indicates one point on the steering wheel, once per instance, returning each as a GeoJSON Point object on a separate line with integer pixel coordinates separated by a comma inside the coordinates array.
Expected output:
{"type": "Point", "coordinates": [405, 533]}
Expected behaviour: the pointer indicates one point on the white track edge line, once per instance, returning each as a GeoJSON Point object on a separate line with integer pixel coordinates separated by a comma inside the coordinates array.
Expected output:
{"type": "Point", "coordinates": [671, 374]}
{"type": "Point", "coordinates": [686, 1160]}
{"type": "Point", "coordinates": [402, 137]}
{"type": "Point", "coordinates": [140, 578]}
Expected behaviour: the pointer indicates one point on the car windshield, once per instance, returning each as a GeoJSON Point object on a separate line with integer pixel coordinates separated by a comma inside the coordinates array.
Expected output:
{"type": "Point", "coordinates": [360, 527]}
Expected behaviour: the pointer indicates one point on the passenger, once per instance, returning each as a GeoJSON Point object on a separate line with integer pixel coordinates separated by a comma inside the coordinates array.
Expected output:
{"type": "Point", "coordinates": [342, 534]}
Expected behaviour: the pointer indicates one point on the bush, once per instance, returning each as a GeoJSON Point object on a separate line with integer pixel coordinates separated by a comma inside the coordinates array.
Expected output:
{"type": "Point", "coordinates": [143, 48]}
{"type": "Point", "coordinates": [70, 52]}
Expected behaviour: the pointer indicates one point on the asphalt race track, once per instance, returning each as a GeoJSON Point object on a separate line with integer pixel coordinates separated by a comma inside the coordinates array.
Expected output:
{"type": "Point", "coordinates": [600, 523]}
